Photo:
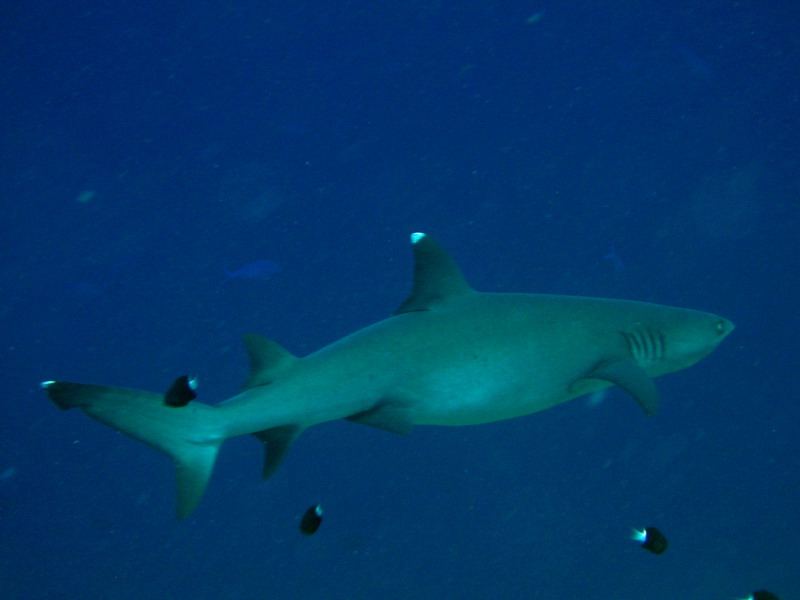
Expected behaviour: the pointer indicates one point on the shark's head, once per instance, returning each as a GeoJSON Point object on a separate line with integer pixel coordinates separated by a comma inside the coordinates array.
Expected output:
{"type": "Point", "coordinates": [696, 336]}
{"type": "Point", "coordinates": [677, 339]}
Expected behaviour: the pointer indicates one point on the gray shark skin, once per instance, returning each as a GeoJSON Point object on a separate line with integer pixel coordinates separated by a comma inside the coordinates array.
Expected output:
{"type": "Point", "coordinates": [449, 356]}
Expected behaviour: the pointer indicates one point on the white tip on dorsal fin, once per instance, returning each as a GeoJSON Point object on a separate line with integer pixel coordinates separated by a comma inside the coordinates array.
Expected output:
{"type": "Point", "coordinates": [437, 278]}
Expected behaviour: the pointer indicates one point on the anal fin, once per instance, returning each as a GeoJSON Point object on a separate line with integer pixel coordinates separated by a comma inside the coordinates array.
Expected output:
{"type": "Point", "coordinates": [277, 442]}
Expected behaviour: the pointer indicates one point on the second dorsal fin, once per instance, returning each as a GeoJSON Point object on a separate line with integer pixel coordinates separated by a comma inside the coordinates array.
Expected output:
{"type": "Point", "coordinates": [268, 359]}
{"type": "Point", "coordinates": [437, 277]}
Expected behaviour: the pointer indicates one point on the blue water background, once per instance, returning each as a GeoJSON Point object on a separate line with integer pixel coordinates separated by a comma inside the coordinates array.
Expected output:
{"type": "Point", "coordinates": [645, 150]}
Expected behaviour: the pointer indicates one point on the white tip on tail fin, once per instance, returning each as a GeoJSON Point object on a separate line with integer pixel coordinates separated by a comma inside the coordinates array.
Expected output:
{"type": "Point", "coordinates": [189, 434]}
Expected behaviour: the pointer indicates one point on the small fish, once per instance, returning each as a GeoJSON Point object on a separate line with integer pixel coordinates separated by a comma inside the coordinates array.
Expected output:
{"type": "Point", "coordinates": [311, 520]}
{"type": "Point", "coordinates": [698, 66]}
{"type": "Point", "coordinates": [181, 392]}
{"type": "Point", "coordinates": [616, 262]}
{"type": "Point", "coordinates": [651, 539]}
{"type": "Point", "coordinates": [262, 270]}
{"type": "Point", "coordinates": [762, 595]}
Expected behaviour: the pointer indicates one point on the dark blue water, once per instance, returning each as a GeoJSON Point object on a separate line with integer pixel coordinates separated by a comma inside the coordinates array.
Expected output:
{"type": "Point", "coordinates": [646, 150]}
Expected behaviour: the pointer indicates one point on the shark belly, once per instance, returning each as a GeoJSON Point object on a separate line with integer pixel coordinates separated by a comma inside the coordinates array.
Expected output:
{"type": "Point", "coordinates": [475, 364]}
{"type": "Point", "coordinates": [490, 385]}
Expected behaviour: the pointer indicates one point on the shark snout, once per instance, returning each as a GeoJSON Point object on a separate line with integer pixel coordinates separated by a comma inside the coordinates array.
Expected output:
{"type": "Point", "coordinates": [724, 327]}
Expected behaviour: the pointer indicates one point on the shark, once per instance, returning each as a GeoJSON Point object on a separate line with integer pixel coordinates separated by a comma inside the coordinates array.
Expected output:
{"type": "Point", "coordinates": [449, 356]}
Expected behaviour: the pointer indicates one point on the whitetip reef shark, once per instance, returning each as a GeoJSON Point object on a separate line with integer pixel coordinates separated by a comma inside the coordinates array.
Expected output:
{"type": "Point", "coordinates": [450, 355]}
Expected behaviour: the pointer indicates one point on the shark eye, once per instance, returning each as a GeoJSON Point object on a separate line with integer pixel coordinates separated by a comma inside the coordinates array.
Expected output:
{"type": "Point", "coordinates": [721, 326]}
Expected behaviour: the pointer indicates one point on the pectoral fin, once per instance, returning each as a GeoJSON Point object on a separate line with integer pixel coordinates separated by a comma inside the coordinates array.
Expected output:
{"type": "Point", "coordinates": [631, 378]}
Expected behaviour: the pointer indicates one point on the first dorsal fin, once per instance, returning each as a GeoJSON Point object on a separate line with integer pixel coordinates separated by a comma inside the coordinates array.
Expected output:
{"type": "Point", "coordinates": [268, 359]}
{"type": "Point", "coordinates": [437, 277]}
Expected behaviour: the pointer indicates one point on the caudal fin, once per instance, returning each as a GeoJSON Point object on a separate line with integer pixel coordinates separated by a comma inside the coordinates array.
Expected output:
{"type": "Point", "coordinates": [189, 434]}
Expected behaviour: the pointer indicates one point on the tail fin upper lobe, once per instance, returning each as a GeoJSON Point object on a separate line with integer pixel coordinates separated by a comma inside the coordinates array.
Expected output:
{"type": "Point", "coordinates": [189, 434]}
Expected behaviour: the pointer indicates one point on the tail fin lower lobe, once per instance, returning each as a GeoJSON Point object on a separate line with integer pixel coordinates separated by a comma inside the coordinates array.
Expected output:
{"type": "Point", "coordinates": [189, 434]}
